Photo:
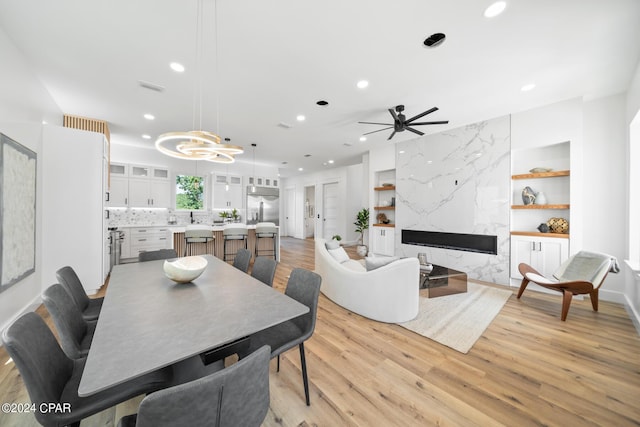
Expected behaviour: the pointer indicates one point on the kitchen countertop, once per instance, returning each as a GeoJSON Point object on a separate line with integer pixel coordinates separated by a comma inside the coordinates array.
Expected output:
{"type": "Point", "coordinates": [182, 228]}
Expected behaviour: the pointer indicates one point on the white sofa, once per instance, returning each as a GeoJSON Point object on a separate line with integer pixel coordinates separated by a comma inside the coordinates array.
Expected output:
{"type": "Point", "coordinates": [387, 294]}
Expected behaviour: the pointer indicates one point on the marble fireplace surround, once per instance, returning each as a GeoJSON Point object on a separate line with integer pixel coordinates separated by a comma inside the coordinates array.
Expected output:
{"type": "Point", "coordinates": [458, 181]}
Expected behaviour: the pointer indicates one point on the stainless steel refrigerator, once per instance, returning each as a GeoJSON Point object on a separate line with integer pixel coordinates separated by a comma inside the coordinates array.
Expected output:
{"type": "Point", "coordinates": [263, 205]}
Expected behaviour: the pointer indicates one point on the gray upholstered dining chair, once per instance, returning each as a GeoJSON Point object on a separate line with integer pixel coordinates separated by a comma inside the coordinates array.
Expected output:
{"type": "Point", "coordinates": [52, 378]}
{"type": "Point", "coordinates": [235, 396]}
{"type": "Point", "coordinates": [76, 333]}
{"type": "Point", "coordinates": [264, 269]}
{"type": "Point", "coordinates": [157, 254]}
{"type": "Point", "coordinates": [304, 287]}
{"type": "Point", "coordinates": [242, 259]}
{"type": "Point", "coordinates": [89, 307]}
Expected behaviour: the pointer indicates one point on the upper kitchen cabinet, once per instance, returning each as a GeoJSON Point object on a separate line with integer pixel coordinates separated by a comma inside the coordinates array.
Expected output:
{"type": "Point", "coordinates": [139, 186]}
{"type": "Point", "coordinates": [227, 192]}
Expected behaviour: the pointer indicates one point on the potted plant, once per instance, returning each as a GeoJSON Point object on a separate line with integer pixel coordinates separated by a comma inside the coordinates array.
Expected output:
{"type": "Point", "coordinates": [225, 215]}
{"type": "Point", "coordinates": [235, 215]}
{"type": "Point", "coordinates": [362, 223]}
{"type": "Point", "coordinates": [336, 237]}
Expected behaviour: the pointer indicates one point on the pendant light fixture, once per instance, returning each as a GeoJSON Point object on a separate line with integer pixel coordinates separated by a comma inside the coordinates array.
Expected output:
{"type": "Point", "coordinates": [199, 144]}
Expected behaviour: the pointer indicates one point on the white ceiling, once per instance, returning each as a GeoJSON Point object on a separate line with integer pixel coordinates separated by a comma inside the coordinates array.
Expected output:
{"type": "Point", "coordinates": [277, 58]}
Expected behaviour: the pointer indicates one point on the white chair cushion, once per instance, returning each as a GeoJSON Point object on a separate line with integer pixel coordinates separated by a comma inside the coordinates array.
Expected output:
{"type": "Point", "coordinates": [376, 262]}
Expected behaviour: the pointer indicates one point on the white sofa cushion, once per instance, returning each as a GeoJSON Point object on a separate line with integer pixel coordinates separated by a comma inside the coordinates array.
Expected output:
{"type": "Point", "coordinates": [376, 262]}
{"type": "Point", "coordinates": [339, 254]}
{"type": "Point", "coordinates": [332, 244]}
{"type": "Point", "coordinates": [354, 265]}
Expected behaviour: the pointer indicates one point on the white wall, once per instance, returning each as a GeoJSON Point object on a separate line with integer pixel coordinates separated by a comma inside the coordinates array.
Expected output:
{"type": "Point", "coordinates": [604, 185]}
{"type": "Point", "coordinates": [24, 104]}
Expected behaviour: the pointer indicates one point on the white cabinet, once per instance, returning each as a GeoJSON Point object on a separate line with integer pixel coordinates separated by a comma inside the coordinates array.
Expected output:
{"type": "Point", "coordinates": [142, 239]}
{"type": "Point", "coordinates": [382, 240]}
{"type": "Point", "coordinates": [139, 186]}
{"type": "Point", "coordinates": [118, 170]}
{"type": "Point", "coordinates": [545, 254]}
{"type": "Point", "coordinates": [261, 181]}
{"type": "Point", "coordinates": [119, 192]}
{"type": "Point", "coordinates": [230, 198]}
{"type": "Point", "coordinates": [149, 193]}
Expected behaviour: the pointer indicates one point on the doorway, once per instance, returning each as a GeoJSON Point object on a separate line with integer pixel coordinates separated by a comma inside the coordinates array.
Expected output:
{"type": "Point", "coordinates": [330, 204]}
{"type": "Point", "coordinates": [309, 212]}
{"type": "Point", "coordinates": [290, 212]}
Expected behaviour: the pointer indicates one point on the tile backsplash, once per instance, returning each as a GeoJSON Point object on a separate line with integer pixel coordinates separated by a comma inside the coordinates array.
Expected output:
{"type": "Point", "coordinates": [127, 217]}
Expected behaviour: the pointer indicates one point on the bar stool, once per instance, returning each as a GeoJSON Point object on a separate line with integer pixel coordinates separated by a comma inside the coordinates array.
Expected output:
{"type": "Point", "coordinates": [266, 230]}
{"type": "Point", "coordinates": [197, 234]}
{"type": "Point", "coordinates": [234, 232]}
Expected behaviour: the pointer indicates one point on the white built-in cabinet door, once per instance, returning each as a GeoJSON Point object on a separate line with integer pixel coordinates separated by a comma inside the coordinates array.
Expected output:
{"type": "Point", "coordinates": [119, 192]}
{"type": "Point", "coordinates": [545, 254]}
{"type": "Point", "coordinates": [383, 240]}
{"type": "Point", "coordinates": [149, 193]}
{"type": "Point", "coordinates": [227, 199]}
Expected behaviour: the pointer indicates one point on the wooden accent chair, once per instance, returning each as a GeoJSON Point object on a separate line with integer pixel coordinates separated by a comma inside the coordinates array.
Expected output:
{"type": "Point", "coordinates": [583, 273]}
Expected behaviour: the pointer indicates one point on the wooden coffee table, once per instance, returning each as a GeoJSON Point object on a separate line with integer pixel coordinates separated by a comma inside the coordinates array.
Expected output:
{"type": "Point", "coordinates": [442, 281]}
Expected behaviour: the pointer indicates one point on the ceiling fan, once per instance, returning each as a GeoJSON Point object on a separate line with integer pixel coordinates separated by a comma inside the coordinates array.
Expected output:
{"type": "Point", "coordinates": [400, 123]}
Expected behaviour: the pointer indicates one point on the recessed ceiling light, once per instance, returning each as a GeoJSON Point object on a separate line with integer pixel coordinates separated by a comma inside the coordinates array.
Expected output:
{"type": "Point", "coordinates": [362, 84]}
{"type": "Point", "coordinates": [434, 40]}
{"type": "Point", "coordinates": [363, 138]}
{"type": "Point", "coordinates": [528, 87]}
{"type": "Point", "coordinates": [300, 118]}
{"type": "Point", "coordinates": [322, 103]}
{"type": "Point", "coordinates": [145, 136]}
{"type": "Point", "coordinates": [300, 169]}
{"type": "Point", "coordinates": [495, 9]}
{"type": "Point", "coordinates": [44, 122]}
{"type": "Point", "coordinates": [149, 116]}
{"type": "Point", "coordinates": [330, 162]}
{"type": "Point", "coordinates": [177, 67]}
{"type": "Point", "coordinates": [401, 151]}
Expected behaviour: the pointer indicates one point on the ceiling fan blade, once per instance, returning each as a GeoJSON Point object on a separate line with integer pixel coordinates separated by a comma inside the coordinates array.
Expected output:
{"type": "Point", "coordinates": [441, 122]}
{"type": "Point", "coordinates": [379, 130]}
{"type": "Point", "coordinates": [424, 113]}
{"type": "Point", "coordinates": [394, 115]}
{"type": "Point", "coordinates": [414, 131]}
{"type": "Point", "coordinates": [374, 123]}
{"type": "Point", "coordinates": [392, 133]}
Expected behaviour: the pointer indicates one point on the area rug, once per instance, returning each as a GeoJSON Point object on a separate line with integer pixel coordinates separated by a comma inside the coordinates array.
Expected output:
{"type": "Point", "coordinates": [458, 320]}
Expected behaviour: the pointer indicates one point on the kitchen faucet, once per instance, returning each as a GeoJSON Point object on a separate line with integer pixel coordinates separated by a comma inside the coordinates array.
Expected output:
{"type": "Point", "coordinates": [191, 213]}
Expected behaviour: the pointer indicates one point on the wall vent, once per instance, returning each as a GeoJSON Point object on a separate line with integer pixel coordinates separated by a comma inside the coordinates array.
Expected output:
{"type": "Point", "coordinates": [151, 86]}
{"type": "Point", "coordinates": [285, 125]}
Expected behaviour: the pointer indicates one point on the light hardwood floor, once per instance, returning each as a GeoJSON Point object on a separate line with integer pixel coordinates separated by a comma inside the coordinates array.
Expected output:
{"type": "Point", "coordinates": [528, 369]}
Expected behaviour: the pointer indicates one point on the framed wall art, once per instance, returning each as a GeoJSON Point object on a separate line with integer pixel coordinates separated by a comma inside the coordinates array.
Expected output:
{"type": "Point", "coordinates": [17, 212]}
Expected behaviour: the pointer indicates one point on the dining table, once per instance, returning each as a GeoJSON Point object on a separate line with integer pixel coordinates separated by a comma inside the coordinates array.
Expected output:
{"type": "Point", "coordinates": [149, 322]}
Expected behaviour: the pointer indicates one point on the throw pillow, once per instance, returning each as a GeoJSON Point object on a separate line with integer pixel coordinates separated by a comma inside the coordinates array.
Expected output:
{"type": "Point", "coordinates": [332, 244]}
{"type": "Point", "coordinates": [339, 254]}
{"type": "Point", "coordinates": [376, 262]}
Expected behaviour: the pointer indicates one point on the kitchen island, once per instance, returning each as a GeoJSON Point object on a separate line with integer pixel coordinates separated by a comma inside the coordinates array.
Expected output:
{"type": "Point", "coordinates": [218, 242]}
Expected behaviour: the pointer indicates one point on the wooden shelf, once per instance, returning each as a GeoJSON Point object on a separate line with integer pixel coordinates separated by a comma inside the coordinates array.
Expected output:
{"type": "Point", "coordinates": [384, 225]}
{"type": "Point", "coordinates": [551, 174]}
{"type": "Point", "coordinates": [563, 206]}
{"type": "Point", "coordinates": [384, 208]}
{"type": "Point", "coordinates": [538, 234]}
{"type": "Point", "coordinates": [384, 188]}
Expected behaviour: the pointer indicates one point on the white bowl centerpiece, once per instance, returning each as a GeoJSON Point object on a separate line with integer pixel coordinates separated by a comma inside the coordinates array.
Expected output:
{"type": "Point", "coordinates": [184, 270]}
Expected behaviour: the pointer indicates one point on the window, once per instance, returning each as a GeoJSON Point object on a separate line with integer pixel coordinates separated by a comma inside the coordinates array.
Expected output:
{"type": "Point", "coordinates": [189, 192]}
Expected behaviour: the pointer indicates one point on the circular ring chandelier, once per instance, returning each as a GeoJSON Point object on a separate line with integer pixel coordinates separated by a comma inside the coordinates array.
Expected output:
{"type": "Point", "coordinates": [197, 145]}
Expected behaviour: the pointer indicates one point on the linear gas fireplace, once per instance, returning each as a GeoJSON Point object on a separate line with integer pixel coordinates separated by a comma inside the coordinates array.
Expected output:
{"type": "Point", "coordinates": [457, 241]}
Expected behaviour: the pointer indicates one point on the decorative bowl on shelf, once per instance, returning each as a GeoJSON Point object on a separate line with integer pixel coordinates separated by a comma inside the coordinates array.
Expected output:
{"type": "Point", "coordinates": [540, 170]}
{"type": "Point", "coordinates": [184, 270]}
